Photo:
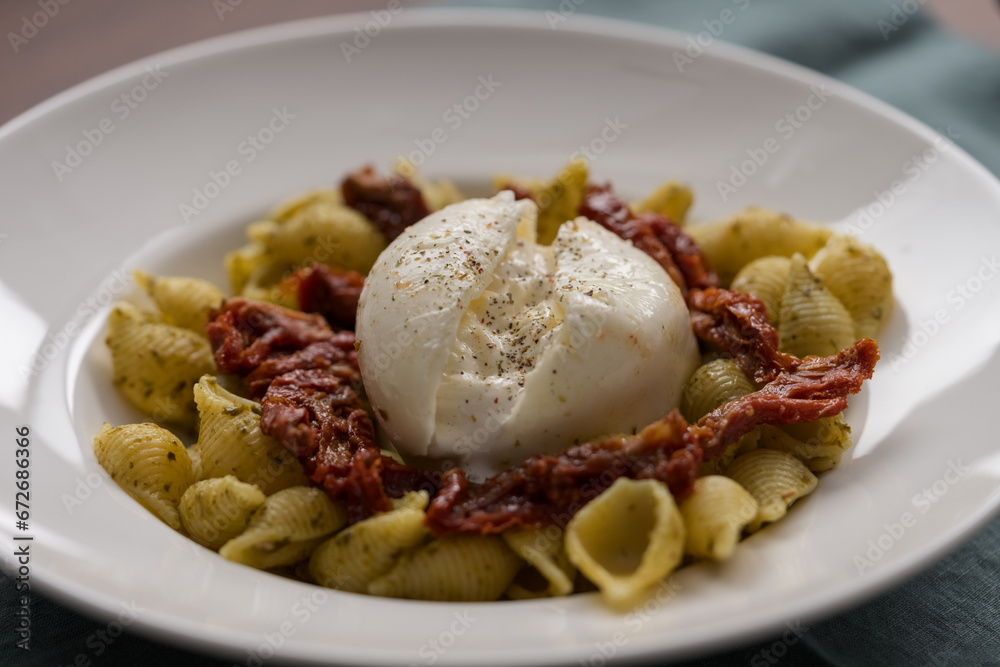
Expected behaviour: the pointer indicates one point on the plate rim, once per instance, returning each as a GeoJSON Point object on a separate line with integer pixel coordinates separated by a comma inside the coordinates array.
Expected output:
{"type": "Point", "coordinates": [823, 603]}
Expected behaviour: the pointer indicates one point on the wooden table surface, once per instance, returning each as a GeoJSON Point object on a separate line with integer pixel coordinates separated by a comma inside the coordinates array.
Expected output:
{"type": "Point", "coordinates": [83, 38]}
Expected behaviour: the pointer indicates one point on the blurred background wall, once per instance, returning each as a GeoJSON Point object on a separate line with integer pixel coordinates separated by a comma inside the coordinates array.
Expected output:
{"type": "Point", "coordinates": [50, 45]}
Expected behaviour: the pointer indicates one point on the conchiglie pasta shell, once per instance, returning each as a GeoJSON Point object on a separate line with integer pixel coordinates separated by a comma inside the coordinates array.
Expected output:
{"type": "Point", "coordinates": [714, 516]}
{"type": "Point", "coordinates": [245, 264]}
{"type": "Point", "coordinates": [813, 321]}
{"type": "Point", "coordinates": [717, 465]}
{"type": "Point", "coordinates": [818, 444]}
{"type": "Point", "coordinates": [754, 232]}
{"type": "Point", "coordinates": [765, 278]}
{"type": "Point", "coordinates": [231, 442]}
{"type": "Point", "coordinates": [264, 284]}
{"type": "Point", "coordinates": [320, 231]}
{"type": "Point", "coordinates": [289, 207]}
{"type": "Point", "coordinates": [672, 199]}
{"type": "Point", "coordinates": [194, 452]}
{"type": "Point", "coordinates": [214, 511]}
{"type": "Point", "coordinates": [149, 463]}
{"type": "Point", "coordinates": [775, 479]}
{"type": "Point", "coordinates": [559, 200]}
{"type": "Point", "coordinates": [860, 278]}
{"type": "Point", "coordinates": [183, 302]}
{"type": "Point", "coordinates": [464, 568]}
{"type": "Point", "coordinates": [359, 554]}
{"type": "Point", "coordinates": [627, 538]}
{"type": "Point", "coordinates": [286, 528]}
{"type": "Point", "coordinates": [543, 550]}
{"type": "Point", "coordinates": [156, 365]}
{"type": "Point", "coordinates": [436, 194]}
{"type": "Point", "coordinates": [713, 384]}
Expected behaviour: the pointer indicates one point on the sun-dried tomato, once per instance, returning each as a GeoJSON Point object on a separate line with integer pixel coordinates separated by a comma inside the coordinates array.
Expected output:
{"type": "Point", "coordinates": [263, 340]}
{"type": "Point", "coordinates": [548, 490]}
{"type": "Point", "coordinates": [738, 325]}
{"type": "Point", "coordinates": [812, 388]}
{"type": "Point", "coordinates": [551, 489]}
{"type": "Point", "coordinates": [392, 202]}
{"type": "Point", "coordinates": [322, 421]}
{"type": "Point", "coordinates": [244, 332]}
{"type": "Point", "coordinates": [332, 293]}
{"type": "Point", "coordinates": [654, 234]}
{"type": "Point", "coordinates": [335, 355]}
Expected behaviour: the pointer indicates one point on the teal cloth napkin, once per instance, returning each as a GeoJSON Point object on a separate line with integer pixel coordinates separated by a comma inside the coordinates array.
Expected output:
{"type": "Point", "coordinates": [950, 614]}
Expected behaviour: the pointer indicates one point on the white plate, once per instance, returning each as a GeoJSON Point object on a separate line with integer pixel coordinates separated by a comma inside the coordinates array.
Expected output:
{"type": "Point", "coordinates": [920, 418]}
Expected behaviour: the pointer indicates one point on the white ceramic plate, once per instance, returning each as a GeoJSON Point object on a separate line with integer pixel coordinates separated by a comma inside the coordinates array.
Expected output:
{"type": "Point", "coordinates": [928, 412]}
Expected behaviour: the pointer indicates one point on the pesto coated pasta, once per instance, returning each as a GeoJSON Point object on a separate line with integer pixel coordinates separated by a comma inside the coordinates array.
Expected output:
{"type": "Point", "coordinates": [544, 551]}
{"type": "Point", "coordinates": [713, 384]}
{"type": "Point", "coordinates": [230, 441]}
{"type": "Point", "coordinates": [356, 556]}
{"type": "Point", "coordinates": [558, 199]}
{"type": "Point", "coordinates": [627, 538]}
{"type": "Point", "coordinates": [752, 233]}
{"type": "Point", "coordinates": [813, 321]}
{"type": "Point", "coordinates": [775, 479]}
{"type": "Point", "coordinates": [155, 364]}
{"type": "Point", "coordinates": [819, 444]}
{"type": "Point", "coordinates": [242, 493]}
{"type": "Point", "coordinates": [183, 302]}
{"type": "Point", "coordinates": [859, 277]}
{"type": "Point", "coordinates": [765, 278]}
{"type": "Point", "coordinates": [714, 517]}
{"type": "Point", "coordinates": [463, 568]}
{"type": "Point", "coordinates": [149, 463]}
{"type": "Point", "coordinates": [672, 199]}
{"type": "Point", "coordinates": [214, 511]}
{"type": "Point", "coordinates": [286, 529]}
{"type": "Point", "coordinates": [315, 228]}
